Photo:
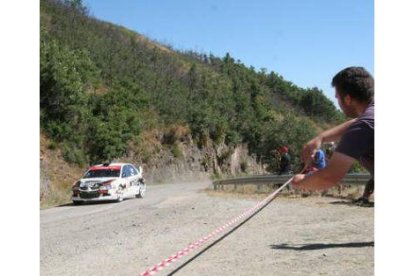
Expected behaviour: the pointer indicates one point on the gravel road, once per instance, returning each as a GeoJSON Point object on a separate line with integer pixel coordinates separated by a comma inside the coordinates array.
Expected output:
{"type": "Point", "coordinates": [291, 236]}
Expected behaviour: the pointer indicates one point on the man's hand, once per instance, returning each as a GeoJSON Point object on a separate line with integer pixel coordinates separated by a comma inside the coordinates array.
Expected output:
{"type": "Point", "coordinates": [330, 135]}
{"type": "Point", "coordinates": [296, 180]}
{"type": "Point", "coordinates": [310, 148]}
{"type": "Point", "coordinates": [325, 178]}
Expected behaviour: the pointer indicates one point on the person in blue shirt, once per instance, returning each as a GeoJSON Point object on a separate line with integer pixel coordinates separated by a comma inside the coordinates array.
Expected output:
{"type": "Point", "coordinates": [319, 161]}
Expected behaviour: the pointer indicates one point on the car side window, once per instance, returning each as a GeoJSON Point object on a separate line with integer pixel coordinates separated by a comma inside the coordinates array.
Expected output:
{"type": "Point", "coordinates": [133, 171]}
{"type": "Point", "coordinates": [129, 169]}
{"type": "Point", "coordinates": [125, 171]}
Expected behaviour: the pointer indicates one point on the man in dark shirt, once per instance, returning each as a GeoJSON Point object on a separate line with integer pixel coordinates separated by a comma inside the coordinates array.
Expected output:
{"type": "Point", "coordinates": [285, 161]}
{"type": "Point", "coordinates": [354, 88]}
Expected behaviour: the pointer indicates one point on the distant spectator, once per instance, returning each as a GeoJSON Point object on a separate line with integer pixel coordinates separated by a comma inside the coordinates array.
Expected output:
{"type": "Point", "coordinates": [319, 160]}
{"type": "Point", "coordinates": [285, 161]}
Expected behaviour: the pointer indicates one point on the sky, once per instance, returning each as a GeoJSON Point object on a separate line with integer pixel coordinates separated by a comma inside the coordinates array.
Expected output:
{"type": "Point", "coordinates": [305, 41]}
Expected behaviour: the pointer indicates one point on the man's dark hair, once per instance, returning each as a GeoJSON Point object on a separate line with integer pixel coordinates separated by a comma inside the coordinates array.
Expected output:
{"type": "Point", "coordinates": [355, 82]}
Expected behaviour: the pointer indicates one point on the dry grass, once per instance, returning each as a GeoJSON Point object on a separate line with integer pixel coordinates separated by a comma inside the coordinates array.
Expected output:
{"type": "Point", "coordinates": [252, 191]}
{"type": "Point", "coordinates": [57, 176]}
{"type": "Point", "coordinates": [101, 90]}
{"type": "Point", "coordinates": [179, 131]}
{"type": "Point", "coordinates": [148, 146]}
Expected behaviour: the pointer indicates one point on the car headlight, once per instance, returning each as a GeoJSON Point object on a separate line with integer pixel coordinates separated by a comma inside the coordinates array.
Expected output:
{"type": "Point", "coordinates": [75, 187]}
{"type": "Point", "coordinates": [105, 188]}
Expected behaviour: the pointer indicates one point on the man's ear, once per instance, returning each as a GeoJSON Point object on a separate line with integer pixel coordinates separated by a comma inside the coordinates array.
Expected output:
{"type": "Point", "coordinates": [348, 99]}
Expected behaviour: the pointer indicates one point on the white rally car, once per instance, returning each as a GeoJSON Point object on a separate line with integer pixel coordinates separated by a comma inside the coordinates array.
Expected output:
{"type": "Point", "coordinates": [114, 181]}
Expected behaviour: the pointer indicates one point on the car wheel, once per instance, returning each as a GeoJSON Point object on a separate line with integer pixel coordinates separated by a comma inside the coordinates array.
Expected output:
{"type": "Point", "coordinates": [141, 193]}
{"type": "Point", "coordinates": [120, 197]}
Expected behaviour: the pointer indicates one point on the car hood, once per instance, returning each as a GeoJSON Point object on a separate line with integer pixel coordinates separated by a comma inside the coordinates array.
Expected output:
{"type": "Point", "coordinates": [92, 181]}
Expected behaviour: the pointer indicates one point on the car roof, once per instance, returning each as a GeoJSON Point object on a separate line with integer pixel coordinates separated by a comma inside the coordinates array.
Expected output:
{"type": "Point", "coordinates": [113, 166]}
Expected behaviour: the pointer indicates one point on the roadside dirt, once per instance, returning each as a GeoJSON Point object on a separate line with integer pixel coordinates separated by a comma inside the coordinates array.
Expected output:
{"type": "Point", "coordinates": [291, 236]}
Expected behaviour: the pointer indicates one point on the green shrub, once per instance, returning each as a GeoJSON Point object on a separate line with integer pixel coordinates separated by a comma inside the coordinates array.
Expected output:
{"type": "Point", "coordinates": [52, 145]}
{"type": "Point", "coordinates": [357, 168]}
{"type": "Point", "coordinates": [73, 154]}
{"type": "Point", "coordinates": [176, 151]}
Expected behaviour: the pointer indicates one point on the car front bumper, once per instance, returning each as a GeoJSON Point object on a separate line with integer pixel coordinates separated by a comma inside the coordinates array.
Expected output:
{"type": "Point", "coordinates": [101, 197]}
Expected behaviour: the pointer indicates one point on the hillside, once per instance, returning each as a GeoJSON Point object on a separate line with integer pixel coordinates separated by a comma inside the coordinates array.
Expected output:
{"type": "Point", "coordinates": [109, 93]}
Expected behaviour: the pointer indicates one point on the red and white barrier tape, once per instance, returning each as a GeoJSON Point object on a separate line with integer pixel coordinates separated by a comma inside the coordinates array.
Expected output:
{"type": "Point", "coordinates": [198, 243]}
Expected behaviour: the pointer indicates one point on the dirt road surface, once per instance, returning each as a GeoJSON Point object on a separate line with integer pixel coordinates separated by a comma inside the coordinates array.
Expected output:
{"type": "Point", "coordinates": [305, 236]}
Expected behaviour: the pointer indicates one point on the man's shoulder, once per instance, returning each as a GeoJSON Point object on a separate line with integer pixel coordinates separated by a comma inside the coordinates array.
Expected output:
{"type": "Point", "coordinates": [360, 127]}
{"type": "Point", "coordinates": [365, 122]}
{"type": "Point", "coordinates": [369, 113]}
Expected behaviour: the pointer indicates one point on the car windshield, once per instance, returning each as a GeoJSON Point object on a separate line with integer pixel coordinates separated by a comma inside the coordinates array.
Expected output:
{"type": "Point", "coordinates": [102, 173]}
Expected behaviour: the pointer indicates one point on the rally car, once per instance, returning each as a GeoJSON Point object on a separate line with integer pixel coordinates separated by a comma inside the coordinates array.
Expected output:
{"type": "Point", "coordinates": [109, 182]}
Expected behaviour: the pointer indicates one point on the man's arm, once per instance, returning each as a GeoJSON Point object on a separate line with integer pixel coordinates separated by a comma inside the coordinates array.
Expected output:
{"type": "Point", "coordinates": [330, 135]}
{"type": "Point", "coordinates": [325, 178]}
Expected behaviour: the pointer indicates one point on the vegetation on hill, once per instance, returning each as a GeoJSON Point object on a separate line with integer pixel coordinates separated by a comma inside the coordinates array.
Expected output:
{"type": "Point", "coordinates": [102, 86]}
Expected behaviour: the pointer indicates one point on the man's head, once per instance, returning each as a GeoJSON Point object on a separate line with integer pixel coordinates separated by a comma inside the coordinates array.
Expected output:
{"type": "Point", "coordinates": [354, 88]}
{"type": "Point", "coordinates": [283, 149]}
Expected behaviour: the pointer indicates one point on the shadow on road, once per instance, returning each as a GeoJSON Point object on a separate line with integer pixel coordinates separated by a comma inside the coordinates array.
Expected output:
{"type": "Point", "coordinates": [89, 203]}
{"type": "Point", "coordinates": [350, 203]}
{"type": "Point", "coordinates": [317, 246]}
{"type": "Point", "coordinates": [66, 204]}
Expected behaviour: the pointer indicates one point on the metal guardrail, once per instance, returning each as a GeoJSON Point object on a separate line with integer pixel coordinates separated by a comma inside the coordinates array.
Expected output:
{"type": "Point", "coordinates": [351, 178]}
